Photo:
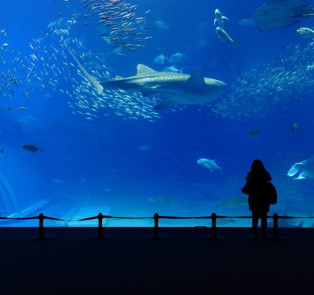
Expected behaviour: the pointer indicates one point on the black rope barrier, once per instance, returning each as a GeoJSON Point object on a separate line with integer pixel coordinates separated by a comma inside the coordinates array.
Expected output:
{"type": "Point", "coordinates": [88, 218]}
{"type": "Point", "coordinates": [176, 217]}
{"type": "Point", "coordinates": [41, 217]}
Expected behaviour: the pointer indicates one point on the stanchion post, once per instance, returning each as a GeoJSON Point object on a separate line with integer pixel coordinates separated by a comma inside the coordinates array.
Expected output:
{"type": "Point", "coordinates": [41, 237]}
{"type": "Point", "coordinates": [156, 236]}
{"type": "Point", "coordinates": [214, 227]}
{"type": "Point", "coordinates": [100, 236]}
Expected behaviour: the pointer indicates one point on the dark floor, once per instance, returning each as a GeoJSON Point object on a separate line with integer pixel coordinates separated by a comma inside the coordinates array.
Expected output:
{"type": "Point", "coordinates": [71, 262]}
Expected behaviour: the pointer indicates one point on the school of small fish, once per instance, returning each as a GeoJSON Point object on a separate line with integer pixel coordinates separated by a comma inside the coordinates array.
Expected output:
{"type": "Point", "coordinates": [49, 66]}
{"type": "Point", "coordinates": [118, 23]}
{"type": "Point", "coordinates": [277, 82]}
{"type": "Point", "coordinates": [48, 69]}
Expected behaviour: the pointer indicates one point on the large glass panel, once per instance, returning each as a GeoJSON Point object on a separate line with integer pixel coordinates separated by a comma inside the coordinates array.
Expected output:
{"type": "Point", "coordinates": [78, 139]}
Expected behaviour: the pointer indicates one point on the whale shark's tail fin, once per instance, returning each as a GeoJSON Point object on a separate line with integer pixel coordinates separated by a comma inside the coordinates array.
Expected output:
{"type": "Point", "coordinates": [89, 77]}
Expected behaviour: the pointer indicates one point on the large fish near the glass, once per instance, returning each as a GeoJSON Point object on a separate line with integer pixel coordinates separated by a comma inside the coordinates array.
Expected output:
{"type": "Point", "coordinates": [279, 13]}
{"type": "Point", "coordinates": [302, 170]}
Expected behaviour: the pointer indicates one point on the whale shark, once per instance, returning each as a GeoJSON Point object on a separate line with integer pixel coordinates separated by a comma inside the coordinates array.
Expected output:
{"type": "Point", "coordinates": [177, 88]}
{"type": "Point", "coordinates": [302, 170]}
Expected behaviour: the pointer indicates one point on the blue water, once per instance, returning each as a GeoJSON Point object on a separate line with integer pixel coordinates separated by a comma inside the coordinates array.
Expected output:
{"type": "Point", "coordinates": [113, 152]}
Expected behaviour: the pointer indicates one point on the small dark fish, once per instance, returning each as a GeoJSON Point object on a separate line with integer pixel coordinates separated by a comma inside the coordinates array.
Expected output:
{"type": "Point", "coordinates": [31, 148]}
{"type": "Point", "coordinates": [2, 151]}
{"type": "Point", "coordinates": [253, 133]}
{"type": "Point", "coordinates": [232, 203]}
{"type": "Point", "coordinates": [294, 126]}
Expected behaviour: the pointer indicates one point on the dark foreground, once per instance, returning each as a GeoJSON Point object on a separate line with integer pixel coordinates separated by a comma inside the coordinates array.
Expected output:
{"type": "Point", "coordinates": [71, 262]}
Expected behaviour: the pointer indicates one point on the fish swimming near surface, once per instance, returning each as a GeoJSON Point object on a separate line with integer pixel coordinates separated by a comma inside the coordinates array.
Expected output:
{"type": "Point", "coordinates": [225, 37]}
{"type": "Point", "coordinates": [302, 170]}
{"type": "Point", "coordinates": [207, 163]}
{"type": "Point", "coordinates": [279, 13]}
{"type": "Point", "coordinates": [219, 19]}
{"type": "Point", "coordinates": [31, 148]}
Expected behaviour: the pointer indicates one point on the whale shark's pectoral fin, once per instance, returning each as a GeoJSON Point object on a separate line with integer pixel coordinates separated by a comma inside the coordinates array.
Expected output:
{"type": "Point", "coordinates": [146, 92]}
{"type": "Point", "coordinates": [168, 102]}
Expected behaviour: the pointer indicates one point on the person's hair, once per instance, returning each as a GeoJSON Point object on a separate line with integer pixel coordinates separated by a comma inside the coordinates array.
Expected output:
{"type": "Point", "coordinates": [258, 166]}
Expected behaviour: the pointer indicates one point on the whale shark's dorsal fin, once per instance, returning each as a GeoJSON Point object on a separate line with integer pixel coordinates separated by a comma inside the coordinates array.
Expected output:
{"type": "Point", "coordinates": [144, 70]}
{"type": "Point", "coordinates": [196, 80]}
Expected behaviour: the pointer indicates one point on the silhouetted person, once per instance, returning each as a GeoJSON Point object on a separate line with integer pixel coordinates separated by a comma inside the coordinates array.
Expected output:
{"type": "Point", "coordinates": [255, 187]}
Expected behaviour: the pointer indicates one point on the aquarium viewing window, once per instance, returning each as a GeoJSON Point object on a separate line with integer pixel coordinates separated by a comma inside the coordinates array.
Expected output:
{"type": "Point", "coordinates": [131, 108]}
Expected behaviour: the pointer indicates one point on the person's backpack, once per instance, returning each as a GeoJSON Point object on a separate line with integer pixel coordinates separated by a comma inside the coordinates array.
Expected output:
{"type": "Point", "coordinates": [271, 193]}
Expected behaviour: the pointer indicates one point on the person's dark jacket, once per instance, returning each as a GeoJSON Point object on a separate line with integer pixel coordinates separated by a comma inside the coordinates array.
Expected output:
{"type": "Point", "coordinates": [256, 183]}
